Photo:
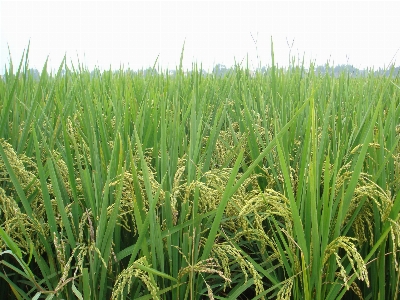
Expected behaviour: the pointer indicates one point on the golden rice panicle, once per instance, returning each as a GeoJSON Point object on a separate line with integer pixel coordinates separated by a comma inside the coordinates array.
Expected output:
{"type": "Point", "coordinates": [124, 280]}
{"type": "Point", "coordinates": [286, 290]}
{"type": "Point", "coordinates": [26, 178]}
{"type": "Point", "coordinates": [356, 261]}
{"type": "Point", "coordinates": [227, 253]}
{"type": "Point", "coordinates": [395, 235]}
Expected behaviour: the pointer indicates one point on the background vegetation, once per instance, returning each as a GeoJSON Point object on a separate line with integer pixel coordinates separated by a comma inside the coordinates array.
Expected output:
{"type": "Point", "coordinates": [284, 185]}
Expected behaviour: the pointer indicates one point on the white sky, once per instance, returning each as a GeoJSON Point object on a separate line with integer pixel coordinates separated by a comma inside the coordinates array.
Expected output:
{"type": "Point", "coordinates": [133, 34]}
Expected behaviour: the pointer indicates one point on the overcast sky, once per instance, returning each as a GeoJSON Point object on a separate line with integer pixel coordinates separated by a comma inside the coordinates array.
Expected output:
{"type": "Point", "coordinates": [132, 34]}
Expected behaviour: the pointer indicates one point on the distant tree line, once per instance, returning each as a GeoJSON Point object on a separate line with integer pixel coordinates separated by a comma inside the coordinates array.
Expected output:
{"type": "Point", "coordinates": [222, 70]}
{"type": "Point", "coordinates": [352, 71]}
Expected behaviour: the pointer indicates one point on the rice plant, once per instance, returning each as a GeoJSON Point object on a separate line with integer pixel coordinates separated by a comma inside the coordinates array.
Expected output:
{"type": "Point", "coordinates": [119, 185]}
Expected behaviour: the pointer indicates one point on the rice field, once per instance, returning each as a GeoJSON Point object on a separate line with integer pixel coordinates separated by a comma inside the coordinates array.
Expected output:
{"type": "Point", "coordinates": [276, 185]}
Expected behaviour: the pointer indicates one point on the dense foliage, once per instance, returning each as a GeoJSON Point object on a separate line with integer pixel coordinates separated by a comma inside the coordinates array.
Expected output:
{"type": "Point", "coordinates": [281, 185]}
